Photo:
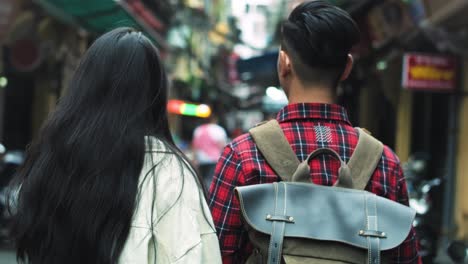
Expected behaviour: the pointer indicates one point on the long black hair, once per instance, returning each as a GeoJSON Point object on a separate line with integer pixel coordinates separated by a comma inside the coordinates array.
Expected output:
{"type": "Point", "coordinates": [79, 184]}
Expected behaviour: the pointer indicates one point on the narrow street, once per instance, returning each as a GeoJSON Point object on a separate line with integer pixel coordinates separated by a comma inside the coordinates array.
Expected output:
{"type": "Point", "coordinates": [83, 82]}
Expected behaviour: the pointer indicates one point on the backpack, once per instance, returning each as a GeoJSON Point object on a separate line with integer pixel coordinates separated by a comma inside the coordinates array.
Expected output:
{"type": "Point", "coordinates": [296, 221]}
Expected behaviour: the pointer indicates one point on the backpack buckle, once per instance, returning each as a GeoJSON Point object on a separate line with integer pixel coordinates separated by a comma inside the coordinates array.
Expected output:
{"type": "Point", "coordinates": [280, 218]}
{"type": "Point", "coordinates": [372, 233]}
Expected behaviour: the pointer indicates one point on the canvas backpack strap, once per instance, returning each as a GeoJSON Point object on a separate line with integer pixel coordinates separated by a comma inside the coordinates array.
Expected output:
{"type": "Point", "coordinates": [362, 165]}
{"type": "Point", "coordinates": [274, 146]}
{"type": "Point", "coordinates": [365, 159]}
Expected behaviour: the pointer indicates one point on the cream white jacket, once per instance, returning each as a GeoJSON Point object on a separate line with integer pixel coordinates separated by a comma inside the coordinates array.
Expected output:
{"type": "Point", "coordinates": [172, 222]}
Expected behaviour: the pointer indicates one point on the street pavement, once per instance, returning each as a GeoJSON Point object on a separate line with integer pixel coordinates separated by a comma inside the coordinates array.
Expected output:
{"type": "Point", "coordinates": [7, 256]}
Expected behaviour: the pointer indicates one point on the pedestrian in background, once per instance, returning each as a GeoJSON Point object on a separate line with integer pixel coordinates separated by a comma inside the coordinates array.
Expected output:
{"type": "Point", "coordinates": [208, 144]}
{"type": "Point", "coordinates": [104, 182]}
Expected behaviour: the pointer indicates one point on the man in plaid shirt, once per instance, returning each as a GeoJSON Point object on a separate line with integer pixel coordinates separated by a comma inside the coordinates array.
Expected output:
{"type": "Point", "coordinates": [314, 58]}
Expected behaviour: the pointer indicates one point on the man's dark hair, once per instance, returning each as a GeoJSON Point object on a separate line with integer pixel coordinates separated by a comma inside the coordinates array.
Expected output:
{"type": "Point", "coordinates": [318, 37]}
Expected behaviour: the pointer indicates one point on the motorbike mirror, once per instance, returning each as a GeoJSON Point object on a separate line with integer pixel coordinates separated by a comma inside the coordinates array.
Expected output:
{"type": "Point", "coordinates": [2, 149]}
{"type": "Point", "coordinates": [457, 251]}
{"type": "Point", "coordinates": [418, 166]}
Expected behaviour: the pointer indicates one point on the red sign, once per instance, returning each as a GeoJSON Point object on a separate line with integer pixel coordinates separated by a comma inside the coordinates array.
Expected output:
{"type": "Point", "coordinates": [429, 72]}
{"type": "Point", "coordinates": [25, 55]}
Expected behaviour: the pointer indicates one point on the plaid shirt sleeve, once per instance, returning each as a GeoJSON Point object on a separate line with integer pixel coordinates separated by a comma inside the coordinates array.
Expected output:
{"type": "Point", "coordinates": [407, 252]}
{"type": "Point", "coordinates": [225, 207]}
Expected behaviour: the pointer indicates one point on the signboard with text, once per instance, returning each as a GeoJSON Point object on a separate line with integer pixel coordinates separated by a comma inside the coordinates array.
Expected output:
{"type": "Point", "coordinates": [424, 72]}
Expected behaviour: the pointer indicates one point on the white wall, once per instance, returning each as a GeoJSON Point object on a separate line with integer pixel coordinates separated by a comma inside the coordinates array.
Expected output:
{"type": "Point", "coordinates": [254, 22]}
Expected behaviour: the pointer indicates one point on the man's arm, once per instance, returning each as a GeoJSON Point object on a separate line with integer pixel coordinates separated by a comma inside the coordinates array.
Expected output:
{"type": "Point", "coordinates": [408, 251]}
{"type": "Point", "coordinates": [225, 207]}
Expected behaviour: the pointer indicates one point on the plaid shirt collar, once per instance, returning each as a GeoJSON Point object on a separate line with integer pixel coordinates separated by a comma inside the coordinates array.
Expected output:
{"type": "Point", "coordinates": [313, 111]}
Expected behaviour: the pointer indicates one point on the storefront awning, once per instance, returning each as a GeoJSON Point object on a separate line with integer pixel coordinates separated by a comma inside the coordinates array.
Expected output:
{"type": "Point", "coordinates": [103, 15]}
{"type": "Point", "coordinates": [259, 70]}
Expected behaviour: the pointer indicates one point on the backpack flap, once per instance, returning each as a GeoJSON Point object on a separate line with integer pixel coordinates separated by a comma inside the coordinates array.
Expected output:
{"type": "Point", "coordinates": [336, 214]}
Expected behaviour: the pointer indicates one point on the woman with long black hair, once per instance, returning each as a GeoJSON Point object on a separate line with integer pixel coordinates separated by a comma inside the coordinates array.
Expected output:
{"type": "Point", "coordinates": [104, 182]}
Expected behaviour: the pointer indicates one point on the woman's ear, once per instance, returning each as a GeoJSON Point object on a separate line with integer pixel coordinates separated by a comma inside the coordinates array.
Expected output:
{"type": "Point", "coordinates": [348, 68]}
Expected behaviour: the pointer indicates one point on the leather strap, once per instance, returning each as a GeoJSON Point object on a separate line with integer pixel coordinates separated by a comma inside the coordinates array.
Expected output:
{"type": "Point", "coordinates": [274, 146]}
{"type": "Point", "coordinates": [277, 235]}
{"type": "Point", "coordinates": [365, 158]}
{"type": "Point", "coordinates": [373, 242]}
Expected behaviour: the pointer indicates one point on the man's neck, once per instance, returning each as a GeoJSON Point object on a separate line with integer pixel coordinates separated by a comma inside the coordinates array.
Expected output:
{"type": "Point", "coordinates": [310, 94]}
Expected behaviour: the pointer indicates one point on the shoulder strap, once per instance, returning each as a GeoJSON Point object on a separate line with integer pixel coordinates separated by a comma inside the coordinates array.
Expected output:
{"type": "Point", "coordinates": [365, 159]}
{"type": "Point", "coordinates": [274, 146]}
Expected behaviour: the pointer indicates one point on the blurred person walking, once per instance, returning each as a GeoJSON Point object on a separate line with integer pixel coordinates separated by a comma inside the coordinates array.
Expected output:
{"type": "Point", "coordinates": [104, 182]}
{"type": "Point", "coordinates": [314, 58]}
{"type": "Point", "coordinates": [208, 144]}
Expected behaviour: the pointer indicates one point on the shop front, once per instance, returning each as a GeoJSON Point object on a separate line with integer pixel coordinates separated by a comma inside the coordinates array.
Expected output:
{"type": "Point", "coordinates": [413, 98]}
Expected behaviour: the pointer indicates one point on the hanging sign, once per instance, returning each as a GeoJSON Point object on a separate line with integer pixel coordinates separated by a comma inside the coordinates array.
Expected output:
{"type": "Point", "coordinates": [429, 72]}
{"type": "Point", "coordinates": [25, 55]}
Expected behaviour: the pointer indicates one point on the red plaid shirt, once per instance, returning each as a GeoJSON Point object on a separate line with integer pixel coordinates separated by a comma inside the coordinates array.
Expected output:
{"type": "Point", "coordinates": [307, 126]}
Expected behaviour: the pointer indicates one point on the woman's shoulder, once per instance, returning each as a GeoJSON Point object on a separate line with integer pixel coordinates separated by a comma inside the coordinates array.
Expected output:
{"type": "Point", "coordinates": [160, 157]}
{"type": "Point", "coordinates": [153, 144]}
{"type": "Point", "coordinates": [170, 176]}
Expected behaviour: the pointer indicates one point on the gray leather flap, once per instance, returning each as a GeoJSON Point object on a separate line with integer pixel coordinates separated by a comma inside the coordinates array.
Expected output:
{"type": "Point", "coordinates": [325, 213]}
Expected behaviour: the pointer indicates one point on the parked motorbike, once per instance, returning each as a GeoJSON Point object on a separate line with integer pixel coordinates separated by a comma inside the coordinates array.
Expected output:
{"type": "Point", "coordinates": [458, 252]}
{"type": "Point", "coordinates": [9, 163]}
{"type": "Point", "coordinates": [426, 229]}
{"type": "Point", "coordinates": [421, 199]}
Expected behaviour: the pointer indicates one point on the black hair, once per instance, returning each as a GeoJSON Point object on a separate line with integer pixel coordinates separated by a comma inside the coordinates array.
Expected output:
{"type": "Point", "coordinates": [79, 183]}
{"type": "Point", "coordinates": [318, 37]}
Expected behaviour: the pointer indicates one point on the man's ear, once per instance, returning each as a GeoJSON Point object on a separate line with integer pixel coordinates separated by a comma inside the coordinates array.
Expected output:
{"type": "Point", "coordinates": [348, 68]}
{"type": "Point", "coordinates": [284, 64]}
